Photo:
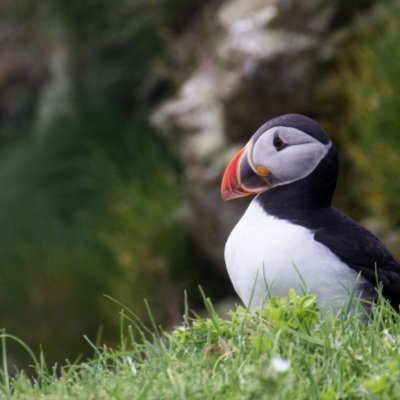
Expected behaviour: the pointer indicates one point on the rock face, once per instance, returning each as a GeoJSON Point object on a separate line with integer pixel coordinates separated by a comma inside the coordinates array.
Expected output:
{"type": "Point", "coordinates": [268, 58]}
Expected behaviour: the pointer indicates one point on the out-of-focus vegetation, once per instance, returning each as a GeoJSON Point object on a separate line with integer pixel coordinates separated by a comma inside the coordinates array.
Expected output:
{"type": "Point", "coordinates": [86, 215]}
{"type": "Point", "coordinates": [373, 116]}
{"type": "Point", "coordinates": [90, 199]}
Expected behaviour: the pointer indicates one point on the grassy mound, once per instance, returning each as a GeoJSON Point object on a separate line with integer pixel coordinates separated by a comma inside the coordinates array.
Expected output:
{"type": "Point", "coordinates": [282, 351]}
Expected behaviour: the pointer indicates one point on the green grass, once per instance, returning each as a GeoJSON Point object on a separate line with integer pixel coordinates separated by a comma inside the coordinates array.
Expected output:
{"type": "Point", "coordinates": [287, 350]}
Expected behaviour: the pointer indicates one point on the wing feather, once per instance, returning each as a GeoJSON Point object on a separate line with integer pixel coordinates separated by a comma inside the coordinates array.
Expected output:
{"type": "Point", "coordinates": [362, 251]}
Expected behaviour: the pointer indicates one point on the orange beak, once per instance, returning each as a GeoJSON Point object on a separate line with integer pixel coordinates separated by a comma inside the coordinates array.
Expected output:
{"type": "Point", "coordinates": [240, 180]}
{"type": "Point", "coordinates": [231, 187]}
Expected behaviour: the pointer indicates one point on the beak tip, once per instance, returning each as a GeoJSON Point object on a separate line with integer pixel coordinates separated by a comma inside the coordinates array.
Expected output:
{"type": "Point", "coordinates": [225, 195]}
{"type": "Point", "coordinates": [232, 194]}
{"type": "Point", "coordinates": [231, 186]}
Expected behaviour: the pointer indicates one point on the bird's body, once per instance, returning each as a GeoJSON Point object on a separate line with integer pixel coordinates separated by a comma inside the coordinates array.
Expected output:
{"type": "Point", "coordinates": [267, 256]}
{"type": "Point", "coordinates": [291, 237]}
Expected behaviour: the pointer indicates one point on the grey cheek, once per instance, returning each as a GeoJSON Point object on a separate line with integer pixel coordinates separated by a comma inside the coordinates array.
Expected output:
{"type": "Point", "coordinates": [296, 162]}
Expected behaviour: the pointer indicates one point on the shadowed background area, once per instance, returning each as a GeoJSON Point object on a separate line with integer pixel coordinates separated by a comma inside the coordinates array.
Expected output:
{"type": "Point", "coordinates": [118, 118]}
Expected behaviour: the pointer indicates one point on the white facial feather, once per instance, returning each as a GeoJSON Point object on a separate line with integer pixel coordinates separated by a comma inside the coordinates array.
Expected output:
{"type": "Point", "coordinates": [294, 162]}
{"type": "Point", "coordinates": [264, 253]}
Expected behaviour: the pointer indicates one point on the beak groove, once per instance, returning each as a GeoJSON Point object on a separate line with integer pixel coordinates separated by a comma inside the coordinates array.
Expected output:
{"type": "Point", "coordinates": [240, 178]}
{"type": "Point", "coordinates": [231, 187]}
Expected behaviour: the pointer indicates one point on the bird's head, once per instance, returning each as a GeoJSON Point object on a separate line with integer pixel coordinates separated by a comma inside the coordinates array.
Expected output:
{"type": "Point", "coordinates": [284, 150]}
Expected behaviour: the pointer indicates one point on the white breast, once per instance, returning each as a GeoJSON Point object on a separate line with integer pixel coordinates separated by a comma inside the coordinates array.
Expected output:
{"type": "Point", "coordinates": [267, 256]}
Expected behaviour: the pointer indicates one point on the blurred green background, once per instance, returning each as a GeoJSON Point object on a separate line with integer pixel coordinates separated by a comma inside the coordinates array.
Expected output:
{"type": "Point", "coordinates": [92, 196]}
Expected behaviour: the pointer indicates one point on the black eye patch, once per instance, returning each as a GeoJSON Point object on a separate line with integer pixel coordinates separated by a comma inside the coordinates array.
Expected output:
{"type": "Point", "coordinates": [278, 142]}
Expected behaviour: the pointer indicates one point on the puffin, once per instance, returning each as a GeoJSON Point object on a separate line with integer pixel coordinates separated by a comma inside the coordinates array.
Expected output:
{"type": "Point", "coordinates": [290, 236]}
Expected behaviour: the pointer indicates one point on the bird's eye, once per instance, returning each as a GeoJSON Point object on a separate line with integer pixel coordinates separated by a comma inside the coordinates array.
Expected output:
{"type": "Point", "coordinates": [278, 143]}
